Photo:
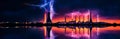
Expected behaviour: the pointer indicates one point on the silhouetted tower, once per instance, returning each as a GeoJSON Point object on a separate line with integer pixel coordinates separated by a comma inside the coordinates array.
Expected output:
{"type": "Point", "coordinates": [65, 30]}
{"type": "Point", "coordinates": [90, 17]}
{"type": "Point", "coordinates": [49, 22]}
{"type": "Point", "coordinates": [90, 23]}
{"type": "Point", "coordinates": [90, 32]}
{"type": "Point", "coordinates": [65, 23]}
{"type": "Point", "coordinates": [48, 18]}
{"type": "Point", "coordinates": [83, 19]}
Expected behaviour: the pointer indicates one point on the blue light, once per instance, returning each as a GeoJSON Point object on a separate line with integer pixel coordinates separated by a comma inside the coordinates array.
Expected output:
{"type": "Point", "coordinates": [48, 5]}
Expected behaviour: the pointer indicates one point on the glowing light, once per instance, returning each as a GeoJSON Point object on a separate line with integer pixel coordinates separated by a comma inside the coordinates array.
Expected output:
{"type": "Point", "coordinates": [16, 26]}
{"type": "Point", "coordinates": [98, 18]}
{"type": "Point", "coordinates": [97, 27]}
{"type": "Point", "coordinates": [73, 14]}
{"type": "Point", "coordinates": [45, 32]}
{"type": "Point", "coordinates": [49, 8]}
{"type": "Point", "coordinates": [40, 6]}
{"type": "Point", "coordinates": [52, 35]}
{"type": "Point", "coordinates": [45, 17]}
{"type": "Point", "coordinates": [16, 22]}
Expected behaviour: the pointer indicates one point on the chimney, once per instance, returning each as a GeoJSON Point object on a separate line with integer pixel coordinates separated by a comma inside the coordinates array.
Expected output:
{"type": "Point", "coordinates": [90, 16]}
{"type": "Point", "coordinates": [48, 18]}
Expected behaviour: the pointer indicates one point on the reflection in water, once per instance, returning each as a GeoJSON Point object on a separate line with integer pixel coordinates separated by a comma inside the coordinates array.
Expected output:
{"type": "Point", "coordinates": [52, 35]}
{"type": "Point", "coordinates": [82, 32]}
{"type": "Point", "coordinates": [61, 32]}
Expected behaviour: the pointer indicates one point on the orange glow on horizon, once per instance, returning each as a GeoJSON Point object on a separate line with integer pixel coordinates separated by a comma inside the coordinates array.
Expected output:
{"type": "Point", "coordinates": [45, 17]}
{"type": "Point", "coordinates": [86, 15]}
{"type": "Point", "coordinates": [84, 30]}
{"type": "Point", "coordinates": [62, 19]}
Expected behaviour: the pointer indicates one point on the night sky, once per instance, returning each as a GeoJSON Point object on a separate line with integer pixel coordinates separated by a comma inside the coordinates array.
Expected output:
{"type": "Point", "coordinates": [16, 10]}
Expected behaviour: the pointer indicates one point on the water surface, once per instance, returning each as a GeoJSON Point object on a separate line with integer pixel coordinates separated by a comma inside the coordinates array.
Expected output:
{"type": "Point", "coordinates": [61, 32]}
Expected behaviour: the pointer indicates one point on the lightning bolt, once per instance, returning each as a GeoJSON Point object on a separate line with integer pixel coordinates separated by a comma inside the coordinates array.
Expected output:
{"type": "Point", "coordinates": [47, 6]}
{"type": "Point", "coordinates": [51, 8]}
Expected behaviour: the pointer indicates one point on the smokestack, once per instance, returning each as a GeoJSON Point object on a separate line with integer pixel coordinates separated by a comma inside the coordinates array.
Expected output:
{"type": "Point", "coordinates": [48, 18]}
{"type": "Point", "coordinates": [90, 16]}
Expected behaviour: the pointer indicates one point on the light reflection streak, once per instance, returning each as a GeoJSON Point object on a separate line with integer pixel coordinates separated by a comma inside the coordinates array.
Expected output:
{"type": "Point", "coordinates": [75, 34]}
{"type": "Point", "coordinates": [97, 27]}
{"type": "Point", "coordinates": [52, 35]}
{"type": "Point", "coordinates": [79, 32]}
{"type": "Point", "coordinates": [71, 33]}
{"type": "Point", "coordinates": [45, 31]}
{"type": "Point", "coordinates": [51, 8]}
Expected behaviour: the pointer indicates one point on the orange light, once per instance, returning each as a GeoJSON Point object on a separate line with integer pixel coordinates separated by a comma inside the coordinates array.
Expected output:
{"type": "Point", "coordinates": [45, 17]}
{"type": "Point", "coordinates": [86, 16]}
{"type": "Point", "coordinates": [45, 32]}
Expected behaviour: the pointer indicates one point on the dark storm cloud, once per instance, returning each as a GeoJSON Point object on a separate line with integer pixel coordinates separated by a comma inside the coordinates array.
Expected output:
{"type": "Point", "coordinates": [26, 14]}
{"type": "Point", "coordinates": [11, 10]}
{"type": "Point", "coordinates": [16, 10]}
